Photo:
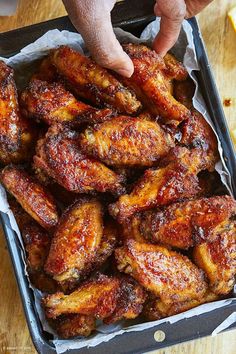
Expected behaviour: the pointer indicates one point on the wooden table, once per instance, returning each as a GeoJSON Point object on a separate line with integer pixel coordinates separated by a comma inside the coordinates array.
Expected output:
{"type": "Point", "coordinates": [220, 40]}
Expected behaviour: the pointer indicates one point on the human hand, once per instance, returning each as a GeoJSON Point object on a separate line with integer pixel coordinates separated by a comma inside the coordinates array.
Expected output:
{"type": "Point", "coordinates": [172, 13]}
{"type": "Point", "coordinates": [92, 19]}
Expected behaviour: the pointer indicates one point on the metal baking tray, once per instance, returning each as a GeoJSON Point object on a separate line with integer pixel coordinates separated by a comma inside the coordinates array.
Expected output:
{"type": "Point", "coordinates": [132, 16]}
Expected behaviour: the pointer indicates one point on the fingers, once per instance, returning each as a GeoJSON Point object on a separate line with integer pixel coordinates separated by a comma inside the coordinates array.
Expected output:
{"type": "Point", "coordinates": [92, 19]}
{"type": "Point", "coordinates": [172, 13]}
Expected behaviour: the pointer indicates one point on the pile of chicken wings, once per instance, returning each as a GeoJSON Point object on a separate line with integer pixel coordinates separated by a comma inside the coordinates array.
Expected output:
{"type": "Point", "coordinates": [112, 183]}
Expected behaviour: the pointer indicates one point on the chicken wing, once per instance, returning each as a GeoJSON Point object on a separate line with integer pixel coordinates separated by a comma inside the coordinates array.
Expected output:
{"type": "Point", "coordinates": [174, 68]}
{"type": "Point", "coordinates": [185, 224]}
{"type": "Point", "coordinates": [126, 141]}
{"type": "Point", "coordinates": [51, 103]}
{"type": "Point", "coordinates": [167, 274]}
{"type": "Point", "coordinates": [184, 92]}
{"type": "Point", "coordinates": [150, 83]}
{"type": "Point", "coordinates": [218, 260]}
{"type": "Point", "coordinates": [75, 242]}
{"type": "Point", "coordinates": [73, 325]}
{"type": "Point", "coordinates": [16, 133]}
{"type": "Point", "coordinates": [155, 309]}
{"type": "Point", "coordinates": [92, 82]}
{"type": "Point", "coordinates": [59, 156]}
{"type": "Point", "coordinates": [162, 186]}
{"type": "Point", "coordinates": [46, 71]}
{"type": "Point", "coordinates": [32, 196]}
{"type": "Point", "coordinates": [129, 302]}
{"type": "Point", "coordinates": [96, 297]}
{"type": "Point", "coordinates": [37, 243]}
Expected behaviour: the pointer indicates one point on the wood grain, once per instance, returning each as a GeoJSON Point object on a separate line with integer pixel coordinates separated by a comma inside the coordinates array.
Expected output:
{"type": "Point", "coordinates": [220, 41]}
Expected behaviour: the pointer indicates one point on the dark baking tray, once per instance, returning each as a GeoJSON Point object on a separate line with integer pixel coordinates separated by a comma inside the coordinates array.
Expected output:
{"type": "Point", "coordinates": [132, 16]}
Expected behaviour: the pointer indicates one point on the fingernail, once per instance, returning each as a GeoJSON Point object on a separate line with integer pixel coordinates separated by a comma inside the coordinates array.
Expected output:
{"type": "Point", "coordinates": [125, 72]}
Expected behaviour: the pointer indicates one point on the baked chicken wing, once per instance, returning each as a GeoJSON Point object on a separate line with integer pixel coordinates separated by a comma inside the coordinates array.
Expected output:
{"type": "Point", "coordinates": [32, 196]}
{"type": "Point", "coordinates": [96, 297]}
{"type": "Point", "coordinates": [129, 302]}
{"type": "Point", "coordinates": [51, 103]}
{"type": "Point", "coordinates": [218, 260]}
{"type": "Point", "coordinates": [155, 309]}
{"type": "Point", "coordinates": [174, 68]}
{"type": "Point", "coordinates": [92, 82]}
{"type": "Point", "coordinates": [59, 156]}
{"type": "Point", "coordinates": [167, 274]}
{"type": "Point", "coordinates": [37, 243]}
{"type": "Point", "coordinates": [73, 325]}
{"type": "Point", "coordinates": [46, 71]}
{"type": "Point", "coordinates": [150, 82]}
{"type": "Point", "coordinates": [162, 186]}
{"type": "Point", "coordinates": [126, 141]}
{"type": "Point", "coordinates": [16, 133]}
{"type": "Point", "coordinates": [75, 242]}
{"type": "Point", "coordinates": [185, 224]}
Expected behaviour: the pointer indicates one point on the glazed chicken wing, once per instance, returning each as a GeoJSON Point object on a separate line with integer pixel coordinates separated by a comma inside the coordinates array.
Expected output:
{"type": "Point", "coordinates": [96, 297]}
{"type": "Point", "coordinates": [16, 133]}
{"type": "Point", "coordinates": [59, 156]}
{"type": "Point", "coordinates": [129, 302]}
{"type": "Point", "coordinates": [174, 68]}
{"type": "Point", "coordinates": [126, 141]}
{"type": "Point", "coordinates": [218, 260]}
{"type": "Point", "coordinates": [155, 309]}
{"type": "Point", "coordinates": [167, 274]}
{"type": "Point", "coordinates": [92, 82]}
{"type": "Point", "coordinates": [151, 84]}
{"type": "Point", "coordinates": [37, 243]}
{"type": "Point", "coordinates": [32, 196]}
{"type": "Point", "coordinates": [51, 103]}
{"type": "Point", "coordinates": [46, 71]}
{"type": "Point", "coordinates": [75, 242]}
{"type": "Point", "coordinates": [162, 186]}
{"type": "Point", "coordinates": [185, 224]}
{"type": "Point", "coordinates": [73, 325]}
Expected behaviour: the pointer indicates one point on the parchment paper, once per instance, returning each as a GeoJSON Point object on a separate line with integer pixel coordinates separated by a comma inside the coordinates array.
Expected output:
{"type": "Point", "coordinates": [24, 64]}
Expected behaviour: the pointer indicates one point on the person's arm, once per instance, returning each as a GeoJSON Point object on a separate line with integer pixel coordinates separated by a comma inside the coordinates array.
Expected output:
{"type": "Point", "coordinates": [92, 18]}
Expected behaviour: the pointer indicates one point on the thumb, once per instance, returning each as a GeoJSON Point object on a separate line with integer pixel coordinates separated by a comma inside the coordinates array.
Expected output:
{"type": "Point", "coordinates": [172, 14]}
{"type": "Point", "coordinates": [93, 20]}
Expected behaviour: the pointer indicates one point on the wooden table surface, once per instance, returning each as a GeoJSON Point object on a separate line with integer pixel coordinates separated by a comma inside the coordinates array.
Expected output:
{"type": "Point", "coordinates": [220, 41]}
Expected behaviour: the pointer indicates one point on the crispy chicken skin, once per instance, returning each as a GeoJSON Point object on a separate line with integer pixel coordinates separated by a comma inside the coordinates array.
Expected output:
{"type": "Point", "coordinates": [37, 243]}
{"type": "Point", "coordinates": [51, 103]}
{"type": "Point", "coordinates": [162, 186]}
{"type": "Point", "coordinates": [129, 302]}
{"type": "Point", "coordinates": [46, 71]}
{"type": "Point", "coordinates": [167, 274]}
{"type": "Point", "coordinates": [185, 224]}
{"type": "Point", "coordinates": [150, 82]}
{"type": "Point", "coordinates": [126, 141]}
{"type": "Point", "coordinates": [32, 196]}
{"type": "Point", "coordinates": [16, 133]}
{"type": "Point", "coordinates": [96, 297]}
{"type": "Point", "coordinates": [59, 156]}
{"type": "Point", "coordinates": [92, 82]}
{"type": "Point", "coordinates": [155, 309]}
{"type": "Point", "coordinates": [72, 325]}
{"type": "Point", "coordinates": [218, 260]}
{"type": "Point", "coordinates": [184, 92]}
{"type": "Point", "coordinates": [75, 242]}
{"type": "Point", "coordinates": [174, 68]}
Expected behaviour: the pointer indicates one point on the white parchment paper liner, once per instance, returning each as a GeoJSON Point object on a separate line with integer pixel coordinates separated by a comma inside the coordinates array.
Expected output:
{"type": "Point", "coordinates": [24, 63]}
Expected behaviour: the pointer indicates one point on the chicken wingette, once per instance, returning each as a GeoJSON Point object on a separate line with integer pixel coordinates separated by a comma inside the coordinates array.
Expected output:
{"type": "Point", "coordinates": [92, 82]}
{"type": "Point", "coordinates": [167, 274]}
{"type": "Point", "coordinates": [75, 243]}
{"type": "Point", "coordinates": [17, 135]}
{"type": "Point", "coordinates": [96, 297]}
{"type": "Point", "coordinates": [184, 224]}
{"type": "Point", "coordinates": [58, 155]}
{"type": "Point", "coordinates": [52, 103]}
{"type": "Point", "coordinates": [150, 82]}
{"type": "Point", "coordinates": [218, 260]}
{"type": "Point", "coordinates": [163, 185]}
{"type": "Point", "coordinates": [73, 325]}
{"type": "Point", "coordinates": [34, 198]}
{"type": "Point", "coordinates": [126, 141]}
